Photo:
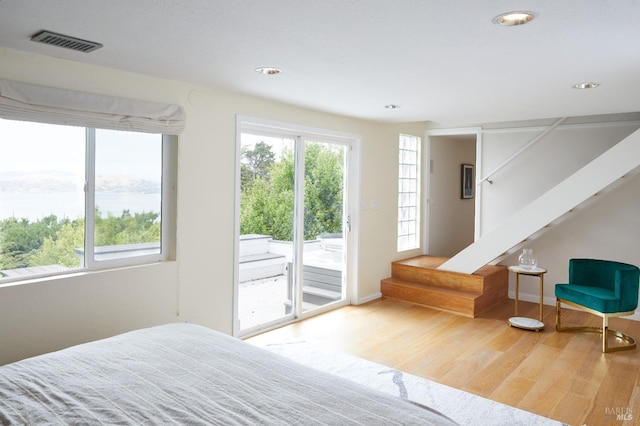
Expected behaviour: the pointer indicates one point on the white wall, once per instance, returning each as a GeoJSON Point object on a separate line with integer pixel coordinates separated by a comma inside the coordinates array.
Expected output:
{"type": "Point", "coordinates": [607, 228]}
{"type": "Point", "coordinates": [45, 315]}
{"type": "Point", "coordinates": [451, 218]}
{"type": "Point", "coordinates": [540, 167]}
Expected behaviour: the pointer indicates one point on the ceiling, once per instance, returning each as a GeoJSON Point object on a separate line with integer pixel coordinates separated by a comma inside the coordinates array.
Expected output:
{"type": "Point", "coordinates": [443, 61]}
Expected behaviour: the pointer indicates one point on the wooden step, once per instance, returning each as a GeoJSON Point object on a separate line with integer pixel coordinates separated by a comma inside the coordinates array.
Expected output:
{"type": "Point", "coordinates": [418, 280]}
{"type": "Point", "coordinates": [437, 297]}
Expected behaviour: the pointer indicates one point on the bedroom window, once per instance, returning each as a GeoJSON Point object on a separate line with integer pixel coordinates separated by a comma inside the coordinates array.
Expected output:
{"type": "Point", "coordinates": [75, 198]}
{"type": "Point", "coordinates": [409, 193]}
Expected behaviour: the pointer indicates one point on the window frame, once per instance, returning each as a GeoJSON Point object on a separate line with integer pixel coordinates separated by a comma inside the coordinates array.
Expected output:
{"type": "Point", "coordinates": [167, 213]}
{"type": "Point", "coordinates": [402, 240]}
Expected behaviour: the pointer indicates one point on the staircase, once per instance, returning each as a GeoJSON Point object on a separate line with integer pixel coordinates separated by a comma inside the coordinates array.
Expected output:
{"type": "Point", "coordinates": [471, 282]}
{"type": "Point", "coordinates": [601, 174]}
{"type": "Point", "coordinates": [418, 280]}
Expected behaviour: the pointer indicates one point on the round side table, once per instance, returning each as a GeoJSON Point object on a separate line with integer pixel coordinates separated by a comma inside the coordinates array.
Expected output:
{"type": "Point", "coordinates": [524, 322]}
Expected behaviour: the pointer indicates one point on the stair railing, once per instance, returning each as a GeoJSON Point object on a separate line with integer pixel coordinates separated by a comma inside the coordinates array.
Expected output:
{"type": "Point", "coordinates": [535, 140]}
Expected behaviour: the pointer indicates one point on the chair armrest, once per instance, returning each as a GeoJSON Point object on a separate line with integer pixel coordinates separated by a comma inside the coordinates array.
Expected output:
{"type": "Point", "coordinates": [626, 288]}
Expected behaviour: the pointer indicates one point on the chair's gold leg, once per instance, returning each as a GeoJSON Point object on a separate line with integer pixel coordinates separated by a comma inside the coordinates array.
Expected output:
{"type": "Point", "coordinates": [627, 342]}
{"type": "Point", "coordinates": [605, 333]}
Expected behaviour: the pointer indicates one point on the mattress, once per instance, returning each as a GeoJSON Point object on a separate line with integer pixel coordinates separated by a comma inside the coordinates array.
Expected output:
{"type": "Point", "coordinates": [187, 374]}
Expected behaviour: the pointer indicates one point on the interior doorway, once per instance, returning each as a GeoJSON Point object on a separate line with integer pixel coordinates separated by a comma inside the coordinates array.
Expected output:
{"type": "Point", "coordinates": [451, 208]}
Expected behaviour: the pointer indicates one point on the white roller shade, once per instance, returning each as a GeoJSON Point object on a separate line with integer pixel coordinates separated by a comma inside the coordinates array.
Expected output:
{"type": "Point", "coordinates": [28, 102]}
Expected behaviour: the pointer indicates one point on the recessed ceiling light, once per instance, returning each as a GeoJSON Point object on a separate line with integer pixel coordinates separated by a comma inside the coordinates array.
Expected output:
{"type": "Point", "coordinates": [587, 85]}
{"type": "Point", "coordinates": [392, 106]}
{"type": "Point", "coordinates": [268, 70]}
{"type": "Point", "coordinates": [511, 19]}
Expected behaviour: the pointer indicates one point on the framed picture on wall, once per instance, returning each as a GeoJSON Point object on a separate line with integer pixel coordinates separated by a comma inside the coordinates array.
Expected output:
{"type": "Point", "coordinates": [466, 181]}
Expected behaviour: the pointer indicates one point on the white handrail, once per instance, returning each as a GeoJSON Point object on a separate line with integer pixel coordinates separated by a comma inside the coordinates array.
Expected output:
{"type": "Point", "coordinates": [521, 150]}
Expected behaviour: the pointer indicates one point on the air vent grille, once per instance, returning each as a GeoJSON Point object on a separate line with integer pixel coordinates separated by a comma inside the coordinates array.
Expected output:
{"type": "Point", "coordinates": [68, 42]}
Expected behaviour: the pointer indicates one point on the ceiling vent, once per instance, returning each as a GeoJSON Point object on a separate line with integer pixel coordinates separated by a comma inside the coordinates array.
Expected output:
{"type": "Point", "coordinates": [68, 42]}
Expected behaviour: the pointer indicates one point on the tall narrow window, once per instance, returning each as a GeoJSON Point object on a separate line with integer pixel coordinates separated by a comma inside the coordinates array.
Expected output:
{"type": "Point", "coordinates": [409, 193]}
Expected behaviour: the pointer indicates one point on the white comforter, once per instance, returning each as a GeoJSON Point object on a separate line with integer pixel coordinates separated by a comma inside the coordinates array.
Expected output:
{"type": "Point", "coordinates": [187, 374]}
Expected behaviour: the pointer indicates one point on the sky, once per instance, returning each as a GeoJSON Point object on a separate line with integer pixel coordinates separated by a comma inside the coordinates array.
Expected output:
{"type": "Point", "coordinates": [27, 147]}
{"type": "Point", "coordinates": [31, 147]}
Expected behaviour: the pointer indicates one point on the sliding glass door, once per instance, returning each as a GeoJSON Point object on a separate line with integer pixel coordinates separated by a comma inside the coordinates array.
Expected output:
{"type": "Point", "coordinates": [324, 225]}
{"type": "Point", "coordinates": [291, 256]}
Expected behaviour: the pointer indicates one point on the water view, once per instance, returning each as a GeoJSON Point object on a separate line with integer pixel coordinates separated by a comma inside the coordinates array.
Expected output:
{"type": "Point", "coordinates": [34, 206]}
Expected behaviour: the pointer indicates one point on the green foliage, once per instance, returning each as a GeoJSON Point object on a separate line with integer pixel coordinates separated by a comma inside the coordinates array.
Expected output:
{"type": "Point", "coordinates": [50, 241]}
{"type": "Point", "coordinates": [19, 238]}
{"type": "Point", "coordinates": [256, 164]}
{"type": "Point", "coordinates": [61, 249]}
{"type": "Point", "coordinates": [267, 206]}
{"type": "Point", "coordinates": [267, 202]}
{"type": "Point", "coordinates": [268, 212]}
{"type": "Point", "coordinates": [322, 191]}
{"type": "Point", "coordinates": [126, 229]}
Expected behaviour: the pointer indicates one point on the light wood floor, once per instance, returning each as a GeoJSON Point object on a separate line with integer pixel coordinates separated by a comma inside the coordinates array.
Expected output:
{"type": "Point", "coordinates": [563, 376]}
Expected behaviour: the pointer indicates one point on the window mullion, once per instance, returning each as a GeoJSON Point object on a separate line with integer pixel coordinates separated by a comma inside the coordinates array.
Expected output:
{"type": "Point", "coordinates": [168, 192]}
{"type": "Point", "coordinates": [90, 200]}
{"type": "Point", "coordinates": [298, 222]}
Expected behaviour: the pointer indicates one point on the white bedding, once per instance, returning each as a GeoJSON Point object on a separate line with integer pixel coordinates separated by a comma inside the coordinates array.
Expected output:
{"type": "Point", "coordinates": [187, 374]}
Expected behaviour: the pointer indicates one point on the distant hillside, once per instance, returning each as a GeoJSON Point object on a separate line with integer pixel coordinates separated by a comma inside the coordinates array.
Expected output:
{"type": "Point", "coordinates": [124, 184]}
{"type": "Point", "coordinates": [60, 182]}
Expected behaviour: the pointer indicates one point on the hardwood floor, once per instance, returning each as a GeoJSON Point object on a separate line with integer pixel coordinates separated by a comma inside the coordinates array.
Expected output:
{"type": "Point", "coordinates": [563, 376]}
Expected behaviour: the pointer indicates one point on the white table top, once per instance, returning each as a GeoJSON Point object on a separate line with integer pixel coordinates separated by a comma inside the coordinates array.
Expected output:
{"type": "Point", "coordinates": [523, 270]}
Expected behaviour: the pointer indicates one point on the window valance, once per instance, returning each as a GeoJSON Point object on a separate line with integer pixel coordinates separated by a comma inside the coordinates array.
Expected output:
{"type": "Point", "coordinates": [22, 101]}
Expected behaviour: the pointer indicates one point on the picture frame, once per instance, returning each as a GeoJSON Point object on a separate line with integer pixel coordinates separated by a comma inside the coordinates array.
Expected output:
{"type": "Point", "coordinates": [466, 181]}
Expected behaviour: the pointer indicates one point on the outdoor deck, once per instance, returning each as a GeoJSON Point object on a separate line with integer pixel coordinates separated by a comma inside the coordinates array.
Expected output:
{"type": "Point", "coordinates": [265, 281]}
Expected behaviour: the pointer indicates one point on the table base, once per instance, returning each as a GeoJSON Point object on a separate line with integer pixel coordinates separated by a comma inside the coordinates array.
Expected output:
{"type": "Point", "coordinates": [526, 323]}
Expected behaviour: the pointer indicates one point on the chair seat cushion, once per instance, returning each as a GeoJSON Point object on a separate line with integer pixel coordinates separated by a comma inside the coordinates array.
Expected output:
{"type": "Point", "coordinates": [596, 298]}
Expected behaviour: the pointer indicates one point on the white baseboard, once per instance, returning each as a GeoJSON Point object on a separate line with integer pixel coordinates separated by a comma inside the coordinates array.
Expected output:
{"type": "Point", "coordinates": [368, 298]}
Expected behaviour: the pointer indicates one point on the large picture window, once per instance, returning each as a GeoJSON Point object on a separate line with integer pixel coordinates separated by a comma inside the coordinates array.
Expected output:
{"type": "Point", "coordinates": [79, 198]}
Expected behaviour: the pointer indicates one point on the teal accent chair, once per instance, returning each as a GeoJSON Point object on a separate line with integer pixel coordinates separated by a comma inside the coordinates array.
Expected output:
{"type": "Point", "coordinates": [604, 288]}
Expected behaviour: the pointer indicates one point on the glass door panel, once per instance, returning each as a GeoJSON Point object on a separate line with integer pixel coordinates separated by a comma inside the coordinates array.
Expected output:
{"type": "Point", "coordinates": [323, 260]}
{"type": "Point", "coordinates": [266, 245]}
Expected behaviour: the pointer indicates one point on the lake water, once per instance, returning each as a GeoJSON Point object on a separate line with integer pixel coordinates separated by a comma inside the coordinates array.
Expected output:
{"type": "Point", "coordinates": [71, 205]}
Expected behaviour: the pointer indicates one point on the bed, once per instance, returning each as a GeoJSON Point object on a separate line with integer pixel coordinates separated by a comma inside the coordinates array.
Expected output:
{"type": "Point", "coordinates": [188, 374]}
